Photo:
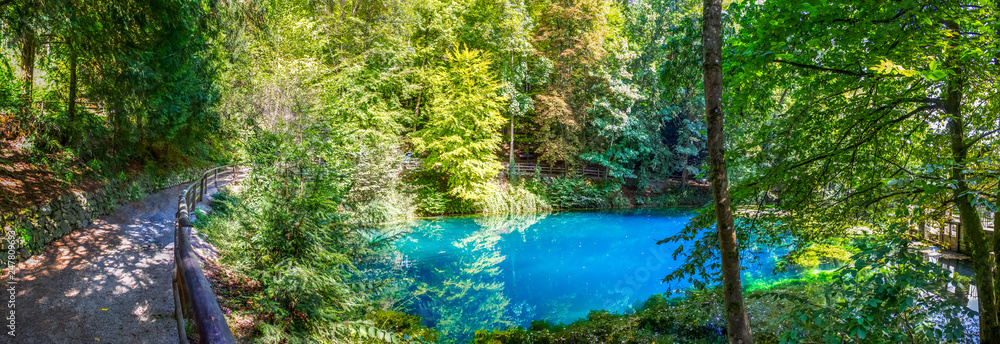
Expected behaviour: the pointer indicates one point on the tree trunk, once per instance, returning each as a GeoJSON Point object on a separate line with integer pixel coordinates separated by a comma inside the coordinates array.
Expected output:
{"type": "Point", "coordinates": [27, 70]}
{"type": "Point", "coordinates": [996, 251]}
{"type": "Point", "coordinates": [510, 167]}
{"type": "Point", "coordinates": [738, 324]}
{"type": "Point", "coordinates": [982, 263]}
{"type": "Point", "coordinates": [71, 106]}
{"type": "Point", "coordinates": [416, 117]}
{"type": "Point", "coordinates": [684, 172]}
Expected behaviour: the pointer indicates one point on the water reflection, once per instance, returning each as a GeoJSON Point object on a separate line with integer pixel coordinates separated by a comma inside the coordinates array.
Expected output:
{"type": "Point", "coordinates": [462, 292]}
{"type": "Point", "coordinates": [484, 272]}
{"type": "Point", "coordinates": [462, 274]}
{"type": "Point", "coordinates": [963, 294]}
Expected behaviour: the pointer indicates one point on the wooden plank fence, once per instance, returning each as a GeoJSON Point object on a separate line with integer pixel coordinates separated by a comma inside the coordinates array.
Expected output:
{"type": "Point", "coordinates": [193, 296]}
{"type": "Point", "coordinates": [950, 234]}
{"type": "Point", "coordinates": [532, 169]}
{"type": "Point", "coordinates": [528, 168]}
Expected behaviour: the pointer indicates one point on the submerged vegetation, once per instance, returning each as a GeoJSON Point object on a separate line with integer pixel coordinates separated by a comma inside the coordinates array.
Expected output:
{"type": "Point", "coordinates": [887, 294]}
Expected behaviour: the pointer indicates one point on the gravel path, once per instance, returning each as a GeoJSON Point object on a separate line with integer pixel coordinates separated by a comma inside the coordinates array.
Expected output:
{"type": "Point", "coordinates": [106, 283]}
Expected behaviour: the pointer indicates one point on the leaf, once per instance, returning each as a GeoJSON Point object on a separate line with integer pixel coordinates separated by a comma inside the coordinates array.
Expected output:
{"type": "Point", "coordinates": [936, 75]}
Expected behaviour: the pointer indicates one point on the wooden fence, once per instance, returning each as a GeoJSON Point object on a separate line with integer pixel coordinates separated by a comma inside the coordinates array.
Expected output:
{"type": "Point", "coordinates": [528, 168]}
{"type": "Point", "coordinates": [532, 168]}
{"type": "Point", "coordinates": [193, 296]}
{"type": "Point", "coordinates": [950, 234]}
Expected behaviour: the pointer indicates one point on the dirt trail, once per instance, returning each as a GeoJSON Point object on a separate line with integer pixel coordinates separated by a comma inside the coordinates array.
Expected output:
{"type": "Point", "coordinates": [106, 283]}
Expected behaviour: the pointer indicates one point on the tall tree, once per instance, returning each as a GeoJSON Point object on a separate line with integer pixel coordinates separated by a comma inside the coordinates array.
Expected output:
{"type": "Point", "coordinates": [738, 324]}
{"type": "Point", "coordinates": [462, 134]}
{"type": "Point", "coordinates": [571, 34]}
{"type": "Point", "coordinates": [503, 28]}
{"type": "Point", "coordinates": [876, 118]}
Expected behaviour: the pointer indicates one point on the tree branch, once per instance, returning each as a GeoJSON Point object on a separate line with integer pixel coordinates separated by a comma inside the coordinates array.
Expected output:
{"type": "Point", "coordinates": [876, 21]}
{"type": "Point", "coordinates": [921, 100]}
{"type": "Point", "coordinates": [822, 69]}
{"type": "Point", "coordinates": [866, 140]}
{"type": "Point", "coordinates": [897, 16]}
{"type": "Point", "coordinates": [909, 192]}
{"type": "Point", "coordinates": [981, 137]}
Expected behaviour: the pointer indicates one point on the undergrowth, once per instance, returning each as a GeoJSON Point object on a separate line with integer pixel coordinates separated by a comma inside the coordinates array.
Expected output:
{"type": "Point", "coordinates": [536, 193]}
{"type": "Point", "coordinates": [287, 236]}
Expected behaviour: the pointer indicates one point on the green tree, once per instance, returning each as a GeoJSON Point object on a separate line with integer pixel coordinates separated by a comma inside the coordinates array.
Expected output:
{"type": "Point", "coordinates": [858, 107]}
{"type": "Point", "coordinates": [572, 35]}
{"type": "Point", "coordinates": [503, 27]}
{"type": "Point", "coordinates": [461, 136]}
{"type": "Point", "coordinates": [738, 325]}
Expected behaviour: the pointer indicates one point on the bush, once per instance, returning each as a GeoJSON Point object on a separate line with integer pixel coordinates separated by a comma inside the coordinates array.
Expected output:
{"type": "Point", "coordinates": [286, 230]}
{"type": "Point", "coordinates": [432, 198]}
{"type": "Point", "coordinates": [404, 324]}
{"type": "Point", "coordinates": [510, 198]}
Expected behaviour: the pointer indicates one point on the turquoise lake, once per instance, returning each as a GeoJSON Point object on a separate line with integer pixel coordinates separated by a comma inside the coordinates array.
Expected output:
{"type": "Point", "coordinates": [485, 272]}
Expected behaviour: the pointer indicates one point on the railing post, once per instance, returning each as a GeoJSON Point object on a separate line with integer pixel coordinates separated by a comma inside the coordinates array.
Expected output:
{"type": "Point", "coordinates": [194, 301]}
{"type": "Point", "coordinates": [958, 238]}
{"type": "Point", "coordinates": [941, 233]}
{"type": "Point", "coordinates": [179, 307]}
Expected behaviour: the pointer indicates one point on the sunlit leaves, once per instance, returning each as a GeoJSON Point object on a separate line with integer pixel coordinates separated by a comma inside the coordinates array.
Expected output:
{"type": "Point", "coordinates": [462, 132]}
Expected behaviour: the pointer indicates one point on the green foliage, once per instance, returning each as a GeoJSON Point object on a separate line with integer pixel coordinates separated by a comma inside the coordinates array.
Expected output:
{"type": "Point", "coordinates": [287, 231]}
{"type": "Point", "coordinates": [888, 295]}
{"type": "Point", "coordinates": [803, 309]}
{"type": "Point", "coordinates": [570, 34]}
{"type": "Point", "coordinates": [143, 74]}
{"type": "Point", "coordinates": [695, 318]}
{"type": "Point", "coordinates": [432, 197]}
{"type": "Point", "coordinates": [9, 86]}
{"type": "Point", "coordinates": [403, 324]}
{"type": "Point", "coordinates": [817, 254]}
{"type": "Point", "coordinates": [571, 192]}
{"type": "Point", "coordinates": [461, 135]}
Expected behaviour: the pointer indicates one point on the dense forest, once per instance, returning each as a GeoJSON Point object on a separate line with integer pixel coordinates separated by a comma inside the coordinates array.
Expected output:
{"type": "Point", "coordinates": [845, 125]}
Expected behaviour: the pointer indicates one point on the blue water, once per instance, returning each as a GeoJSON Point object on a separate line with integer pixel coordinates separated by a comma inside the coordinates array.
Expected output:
{"type": "Point", "coordinates": [485, 272]}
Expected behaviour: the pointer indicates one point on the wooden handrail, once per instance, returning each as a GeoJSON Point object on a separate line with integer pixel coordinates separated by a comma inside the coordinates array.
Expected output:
{"type": "Point", "coordinates": [527, 168]}
{"type": "Point", "coordinates": [193, 296]}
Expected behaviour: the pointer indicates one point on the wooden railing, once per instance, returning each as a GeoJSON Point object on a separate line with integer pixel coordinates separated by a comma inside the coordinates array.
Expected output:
{"type": "Point", "coordinates": [193, 296]}
{"type": "Point", "coordinates": [950, 234]}
{"type": "Point", "coordinates": [530, 169]}
{"type": "Point", "coordinates": [527, 168]}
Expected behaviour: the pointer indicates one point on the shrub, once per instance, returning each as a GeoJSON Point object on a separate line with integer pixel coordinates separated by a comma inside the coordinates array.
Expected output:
{"type": "Point", "coordinates": [404, 324]}
{"type": "Point", "coordinates": [286, 230]}
{"type": "Point", "coordinates": [510, 198]}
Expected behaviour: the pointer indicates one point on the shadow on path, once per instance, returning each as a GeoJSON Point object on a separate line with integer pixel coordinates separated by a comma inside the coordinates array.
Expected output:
{"type": "Point", "coordinates": [108, 282]}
